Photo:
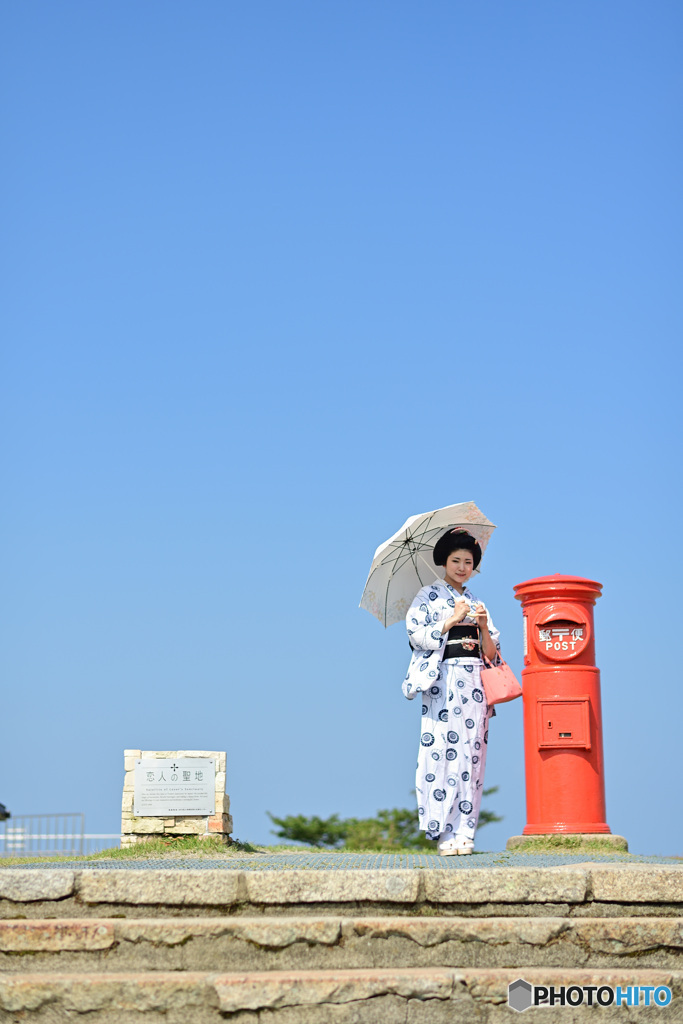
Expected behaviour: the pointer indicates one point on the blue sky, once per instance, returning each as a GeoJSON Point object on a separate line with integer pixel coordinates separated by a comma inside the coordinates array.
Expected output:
{"type": "Point", "coordinates": [277, 276]}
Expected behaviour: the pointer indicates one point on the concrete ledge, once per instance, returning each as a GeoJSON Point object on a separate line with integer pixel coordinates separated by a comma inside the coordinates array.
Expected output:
{"type": "Point", "coordinates": [202, 888]}
{"type": "Point", "coordinates": [392, 886]}
{"type": "Point", "coordinates": [85, 993]}
{"type": "Point", "coordinates": [56, 936]}
{"type": "Point", "coordinates": [265, 932]}
{"type": "Point", "coordinates": [493, 885]}
{"type": "Point", "coordinates": [461, 992]}
{"type": "Point", "coordinates": [264, 943]}
{"type": "Point", "coordinates": [364, 996]}
{"type": "Point", "coordinates": [472, 890]}
{"type": "Point", "coordinates": [636, 883]}
{"type": "Point", "coordinates": [507, 885]}
{"type": "Point", "coordinates": [300, 988]}
{"type": "Point", "coordinates": [24, 886]}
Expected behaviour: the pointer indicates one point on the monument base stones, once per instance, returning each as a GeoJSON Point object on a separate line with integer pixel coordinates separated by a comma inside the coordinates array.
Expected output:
{"type": "Point", "coordinates": [174, 793]}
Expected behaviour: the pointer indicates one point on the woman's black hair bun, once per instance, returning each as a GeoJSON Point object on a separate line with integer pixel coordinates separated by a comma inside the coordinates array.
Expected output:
{"type": "Point", "coordinates": [456, 540]}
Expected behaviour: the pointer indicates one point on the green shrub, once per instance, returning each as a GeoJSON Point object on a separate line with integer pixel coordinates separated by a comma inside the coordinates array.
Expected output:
{"type": "Point", "coordinates": [391, 830]}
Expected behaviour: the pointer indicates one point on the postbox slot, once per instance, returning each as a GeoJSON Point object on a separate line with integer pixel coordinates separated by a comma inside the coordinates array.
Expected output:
{"type": "Point", "coordinates": [564, 722]}
{"type": "Point", "coordinates": [560, 635]}
{"type": "Point", "coordinates": [560, 631]}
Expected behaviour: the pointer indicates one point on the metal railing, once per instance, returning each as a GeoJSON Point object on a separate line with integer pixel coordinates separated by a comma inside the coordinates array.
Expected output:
{"type": "Point", "coordinates": [51, 835]}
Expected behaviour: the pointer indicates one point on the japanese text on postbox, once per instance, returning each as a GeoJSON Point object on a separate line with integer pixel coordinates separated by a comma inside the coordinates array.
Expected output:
{"type": "Point", "coordinates": [561, 638]}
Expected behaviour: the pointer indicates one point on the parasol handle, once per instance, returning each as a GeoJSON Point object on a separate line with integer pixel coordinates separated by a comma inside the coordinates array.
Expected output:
{"type": "Point", "coordinates": [432, 570]}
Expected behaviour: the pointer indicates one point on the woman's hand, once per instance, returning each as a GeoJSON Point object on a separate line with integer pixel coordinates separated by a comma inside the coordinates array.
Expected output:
{"type": "Point", "coordinates": [488, 644]}
{"type": "Point", "coordinates": [460, 610]}
{"type": "Point", "coordinates": [479, 615]}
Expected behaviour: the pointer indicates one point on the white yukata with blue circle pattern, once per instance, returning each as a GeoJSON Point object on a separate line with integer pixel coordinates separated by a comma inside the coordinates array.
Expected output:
{"type": "Point", "coordinates": [455, 717]}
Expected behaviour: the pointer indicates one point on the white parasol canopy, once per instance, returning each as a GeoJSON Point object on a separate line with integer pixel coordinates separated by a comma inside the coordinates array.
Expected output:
{"type": "Point", "coordinates": [404, 563]}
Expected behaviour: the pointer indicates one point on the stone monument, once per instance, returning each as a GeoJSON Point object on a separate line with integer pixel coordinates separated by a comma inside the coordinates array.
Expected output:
{"type": "Point", "coordinates": [174, 793]}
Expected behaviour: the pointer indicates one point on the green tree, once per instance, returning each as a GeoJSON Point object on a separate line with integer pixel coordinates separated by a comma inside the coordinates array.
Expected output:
{"type": "Point", "coordinates": [390, 830]}
{"type": "Point", "coordinates": [325, 832]}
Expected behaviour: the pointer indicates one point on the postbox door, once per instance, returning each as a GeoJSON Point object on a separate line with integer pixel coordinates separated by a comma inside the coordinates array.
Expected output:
{"type": "Point", "coordinates": [563, 722]}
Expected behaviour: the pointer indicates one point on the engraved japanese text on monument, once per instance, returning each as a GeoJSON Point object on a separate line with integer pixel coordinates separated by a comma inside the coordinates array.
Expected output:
{"type": "Point", "coordinates": [174, 786]}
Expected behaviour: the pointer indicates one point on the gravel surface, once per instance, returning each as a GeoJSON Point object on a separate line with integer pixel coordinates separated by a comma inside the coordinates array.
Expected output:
{"type": "Point", "coordinates": [343, 861]}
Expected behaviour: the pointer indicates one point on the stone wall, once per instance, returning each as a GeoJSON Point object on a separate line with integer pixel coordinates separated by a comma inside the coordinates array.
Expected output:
{"type": "Point", "coordinates": [137, 829]}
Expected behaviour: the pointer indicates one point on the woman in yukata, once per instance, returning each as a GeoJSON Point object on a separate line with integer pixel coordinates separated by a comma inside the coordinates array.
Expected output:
{"type": "Point", "coordinates": [448, 628]}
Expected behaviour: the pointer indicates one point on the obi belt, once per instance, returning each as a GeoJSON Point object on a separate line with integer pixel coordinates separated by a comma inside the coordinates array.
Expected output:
{"type": "Point", "coordinates": [462, 642]}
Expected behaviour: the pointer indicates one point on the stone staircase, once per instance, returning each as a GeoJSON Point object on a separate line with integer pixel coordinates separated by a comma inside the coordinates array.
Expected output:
{"type": "Point", "coordinates": [193, 946]}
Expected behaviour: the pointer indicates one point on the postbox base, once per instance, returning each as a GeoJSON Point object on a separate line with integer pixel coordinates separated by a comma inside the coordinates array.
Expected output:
{"type": "Point", "coordinates": [567, 840]}
{"type": "Point", "coordinates": [563, 828]}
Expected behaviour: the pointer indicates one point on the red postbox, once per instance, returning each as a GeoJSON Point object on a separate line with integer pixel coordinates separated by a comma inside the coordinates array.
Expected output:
{"type": "Point", "coordinates": [565, 785]}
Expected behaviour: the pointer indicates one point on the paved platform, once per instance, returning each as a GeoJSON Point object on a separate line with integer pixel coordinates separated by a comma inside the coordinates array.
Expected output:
{"type": "Point", "coordinates": [338, 861]}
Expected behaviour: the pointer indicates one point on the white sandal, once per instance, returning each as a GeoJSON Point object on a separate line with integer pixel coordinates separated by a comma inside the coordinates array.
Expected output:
{"type": "Point", "coordinates": [457, 845]}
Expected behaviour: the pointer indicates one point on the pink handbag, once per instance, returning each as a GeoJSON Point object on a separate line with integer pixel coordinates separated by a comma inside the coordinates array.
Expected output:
{"type": "Point", "coordinates": [500, 684]}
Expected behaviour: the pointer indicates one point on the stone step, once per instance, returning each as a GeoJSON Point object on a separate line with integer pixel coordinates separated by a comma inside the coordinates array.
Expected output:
{"type": "Point", "coordinates": [331, 943]}
{"type": "Point", "coordinates": [593, 889]}
{"type": "Point", "coordinates": [370, 996]}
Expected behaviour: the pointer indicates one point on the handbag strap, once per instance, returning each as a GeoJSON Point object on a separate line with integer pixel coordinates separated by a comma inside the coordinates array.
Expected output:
{"type": "Point", "coordinates": [487, 661]}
